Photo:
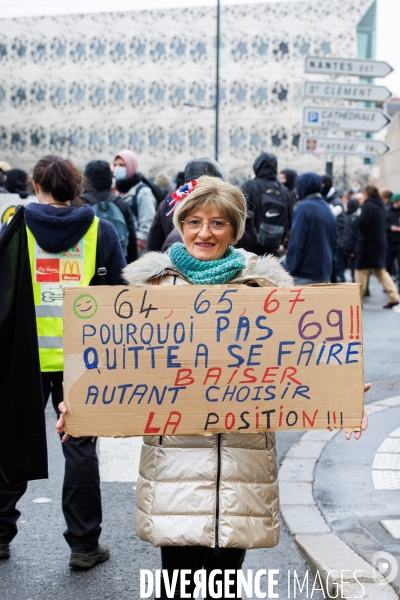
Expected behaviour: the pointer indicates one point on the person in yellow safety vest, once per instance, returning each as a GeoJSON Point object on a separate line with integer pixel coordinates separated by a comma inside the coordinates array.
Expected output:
{"type": "Point", "coordinates": [62, 243]}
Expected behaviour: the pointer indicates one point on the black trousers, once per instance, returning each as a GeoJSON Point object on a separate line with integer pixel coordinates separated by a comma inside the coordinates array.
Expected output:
{"type": "Point", "coordinates": [81, 499]}
{"type": "Point", "coordinates": [393, 253]}
{"type": "Point", "coordinates": [196, 558]}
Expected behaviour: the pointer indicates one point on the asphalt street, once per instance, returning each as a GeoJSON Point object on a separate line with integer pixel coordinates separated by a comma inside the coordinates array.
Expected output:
{"type": "Point", "coordinates": [362, 496]}
{"type": "Point", "coordinates": [38, 567]}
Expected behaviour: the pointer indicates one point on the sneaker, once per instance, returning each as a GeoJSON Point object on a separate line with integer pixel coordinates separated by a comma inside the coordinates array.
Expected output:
{"type": "Point", "coordinates": [80, 560]}
{"type": "Point", "coordinates": [390, 305]}
{"type": "Point", "coordinates": [4, 551]}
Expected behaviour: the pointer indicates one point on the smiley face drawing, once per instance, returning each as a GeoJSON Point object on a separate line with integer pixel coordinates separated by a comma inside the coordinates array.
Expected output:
{"type": "Point", "coordinates": [85, 306]}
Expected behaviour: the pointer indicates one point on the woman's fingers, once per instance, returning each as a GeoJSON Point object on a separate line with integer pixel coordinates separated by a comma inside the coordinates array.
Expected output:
{"type": "Point", "coordinates": [357, 435]}
{"type": "Point", "coordinates": [364, 424]}
{"type": "Point", "coordinates": [367, 387]}
{"type": "Point", "coordinates": [61, 422]}
{"type": "Point", "coordinates": [62, 408]}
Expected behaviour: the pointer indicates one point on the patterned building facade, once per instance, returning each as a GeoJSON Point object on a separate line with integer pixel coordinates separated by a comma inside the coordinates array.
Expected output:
{"type": "Point", "coordinates": [88, 85]}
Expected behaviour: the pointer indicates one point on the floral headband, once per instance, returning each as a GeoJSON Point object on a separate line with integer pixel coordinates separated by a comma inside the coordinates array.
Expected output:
{"type": "Point", "coordinates": [180, 195]}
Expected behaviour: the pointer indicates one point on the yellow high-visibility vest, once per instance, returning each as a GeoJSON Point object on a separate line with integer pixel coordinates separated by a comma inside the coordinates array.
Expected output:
{"type": "Point", "coordinates": [50, 274]}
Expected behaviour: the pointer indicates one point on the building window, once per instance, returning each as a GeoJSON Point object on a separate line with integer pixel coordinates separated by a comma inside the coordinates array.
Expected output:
{"type": "Point", "coordinates": [18, 140]}
{"type": "Point", "coordinates": [136, 140]}
{"type": "Point", "coordinates": [116, 137]}
{"type": "Point", "coordinates": [3, 138]}
{"type": "Point", "coordinates": [18, 96]}
{"type": "Point", "coordinates": [156, 138]}
{"type": "Point", "coordinates": [19, 48]}
{"type": "Point", "coordinates": [38, 137]}
{"type": "Point", "coordinates": [39, 52]}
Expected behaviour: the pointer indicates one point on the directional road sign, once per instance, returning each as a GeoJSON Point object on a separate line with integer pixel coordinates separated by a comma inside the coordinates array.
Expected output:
{"type": "Point", "coordinates": [345, 119]}
{"type": "Point", "coordinates": [348, 66]}
{"type": "Point", "coordinates": [346, 91]}
{"type": "Point", "coordinates": [363, 147]}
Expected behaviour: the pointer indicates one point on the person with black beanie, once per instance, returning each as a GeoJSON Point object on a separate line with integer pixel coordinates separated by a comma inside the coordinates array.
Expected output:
{"type": "Point", "coordinates": [98, 189]}
{"type": "Point", "coordinates": [16, 182]}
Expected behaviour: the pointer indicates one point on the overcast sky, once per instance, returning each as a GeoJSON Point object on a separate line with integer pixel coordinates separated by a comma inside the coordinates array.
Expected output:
{"type": "Point", "coordinates": [388, 47]}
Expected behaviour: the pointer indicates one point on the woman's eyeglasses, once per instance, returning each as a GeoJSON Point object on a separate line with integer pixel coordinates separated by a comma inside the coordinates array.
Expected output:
{"type": "Point", "coordinates": [194, 225]}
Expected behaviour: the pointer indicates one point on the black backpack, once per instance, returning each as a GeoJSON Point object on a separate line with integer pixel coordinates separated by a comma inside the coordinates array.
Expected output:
{"type": "Point", "coordinates": [272, 219]}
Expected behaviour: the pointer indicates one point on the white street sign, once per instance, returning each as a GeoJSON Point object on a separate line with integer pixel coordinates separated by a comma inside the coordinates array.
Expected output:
{"type": "Point", "coordinates": [348, 66]}
{"type": "Point", "coordinates": [346, 91]}
{"type": "Point", "coordinates": [345, 119]}
{"type": "Point", "coordinates": [362, 147]}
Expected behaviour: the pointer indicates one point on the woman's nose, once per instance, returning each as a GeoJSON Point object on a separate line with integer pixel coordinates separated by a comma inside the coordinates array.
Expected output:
{"type": "Point", "coordinates": [205, 230]}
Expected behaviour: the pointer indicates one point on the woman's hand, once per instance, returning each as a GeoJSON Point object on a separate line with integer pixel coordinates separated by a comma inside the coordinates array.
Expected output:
{"type": "Point", "coordinates": [364, 421]}
{"type": "Point", "coordinates": [60, 423]}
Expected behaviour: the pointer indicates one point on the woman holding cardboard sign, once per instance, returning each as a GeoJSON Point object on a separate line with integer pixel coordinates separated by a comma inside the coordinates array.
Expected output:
{"type": "Point", "coordinates": [206, 499]}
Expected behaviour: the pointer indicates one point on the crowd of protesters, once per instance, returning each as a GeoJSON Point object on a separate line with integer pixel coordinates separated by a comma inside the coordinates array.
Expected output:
{"type": "Point", "coordinates": [287, 215]}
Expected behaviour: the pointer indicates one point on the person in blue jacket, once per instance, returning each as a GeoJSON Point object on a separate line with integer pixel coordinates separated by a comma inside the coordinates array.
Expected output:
{"type": "Point", "coordinates": [312, 242]}
{"type": "Point", "coordinates": [63, 243]}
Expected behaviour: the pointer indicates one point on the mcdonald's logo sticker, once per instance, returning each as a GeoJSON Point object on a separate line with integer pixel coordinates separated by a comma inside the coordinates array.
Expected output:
{"type": "Point", "coordinates": [71, 271]}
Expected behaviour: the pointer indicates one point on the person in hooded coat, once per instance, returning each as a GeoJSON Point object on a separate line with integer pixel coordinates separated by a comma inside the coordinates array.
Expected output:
{"type": "Point", "coordinates": [287, 177]}
{"type": "Point", "coordinates": [16, 182]}
{"type": "Point", "coordinates": [313, 236]}
{"type": "Point", "coordinates": [255, 191]}
{"type": "Point", "coordinates": [140, 195]}
{"type": "Point", "coordinates": [371, 245]}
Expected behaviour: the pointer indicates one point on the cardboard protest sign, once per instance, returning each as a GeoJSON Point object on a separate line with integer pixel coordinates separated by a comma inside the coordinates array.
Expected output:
{"type": "Point", "coordinates": [171, 360]}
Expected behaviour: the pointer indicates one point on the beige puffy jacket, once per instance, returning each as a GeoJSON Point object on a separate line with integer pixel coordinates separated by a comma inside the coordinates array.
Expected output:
{"type": "Point", "coordinates": [211, 490]}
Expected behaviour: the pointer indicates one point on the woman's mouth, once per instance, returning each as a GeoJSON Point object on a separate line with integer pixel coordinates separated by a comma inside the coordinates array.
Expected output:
{"type": "Point", "coordinates": [204, 245]}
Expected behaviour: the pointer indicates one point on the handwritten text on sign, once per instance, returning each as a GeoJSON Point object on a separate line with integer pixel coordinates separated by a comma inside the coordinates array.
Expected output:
{"type": "Point", "coordinates": [173, 360]}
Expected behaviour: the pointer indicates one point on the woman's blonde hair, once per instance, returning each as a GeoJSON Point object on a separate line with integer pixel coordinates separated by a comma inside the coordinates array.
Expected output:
{"type": "Point", "coordinates": [213, 193]}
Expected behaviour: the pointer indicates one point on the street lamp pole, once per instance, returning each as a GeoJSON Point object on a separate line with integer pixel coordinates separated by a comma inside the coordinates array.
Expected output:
{"type": "Point", "coordinates": [217, 83]}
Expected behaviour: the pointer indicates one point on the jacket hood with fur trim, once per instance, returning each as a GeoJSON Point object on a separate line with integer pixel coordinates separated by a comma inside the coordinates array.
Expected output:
{"type": "Point", "coordinates": [156, 264]}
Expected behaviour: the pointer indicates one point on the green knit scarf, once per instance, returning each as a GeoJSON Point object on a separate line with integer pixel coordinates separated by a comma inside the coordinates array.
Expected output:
{"type": "Point", "coordinates": [207, 272]}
